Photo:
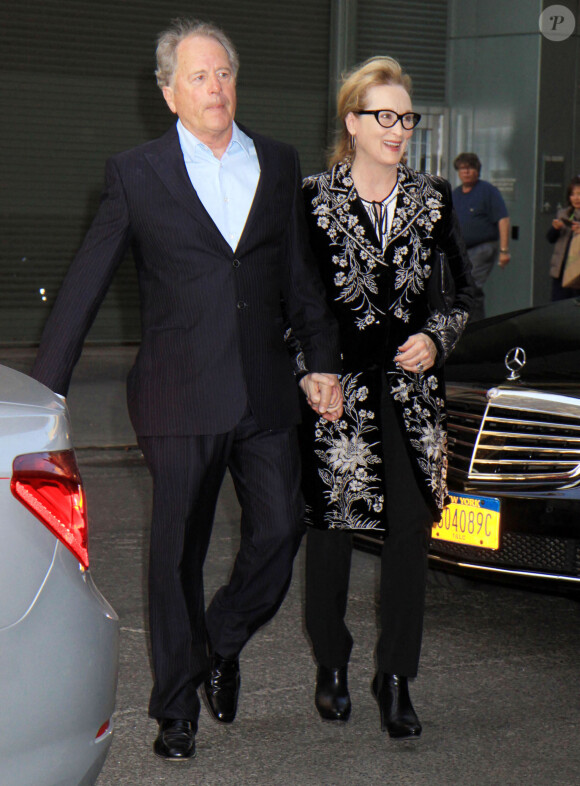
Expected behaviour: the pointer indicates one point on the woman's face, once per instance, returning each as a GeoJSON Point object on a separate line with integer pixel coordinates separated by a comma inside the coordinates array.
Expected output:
{"type": "Point", "coordinates": [575, 198]}
{"type": "Point", "coordinates": [376, 145]}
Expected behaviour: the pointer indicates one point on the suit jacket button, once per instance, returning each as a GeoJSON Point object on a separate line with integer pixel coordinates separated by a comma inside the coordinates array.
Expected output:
{"type": "Point", "coordinates": [242, 304]}
{"type": "Point", "coordinates": [236, 263]}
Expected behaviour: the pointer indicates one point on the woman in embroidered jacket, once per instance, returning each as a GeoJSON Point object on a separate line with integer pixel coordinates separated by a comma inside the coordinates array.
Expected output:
{"type": "Point", "coordinates": [374, 227]}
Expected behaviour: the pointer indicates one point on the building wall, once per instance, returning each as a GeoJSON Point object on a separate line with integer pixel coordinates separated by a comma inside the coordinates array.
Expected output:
{"type": "Point", "coordinates": [493, 66]}
{"type": "Point", "coordinates": [78, 85]}
{"type": "Point", "coordinates": [558, 140]}
{"type": "Point", "coordinates": [510, 104]}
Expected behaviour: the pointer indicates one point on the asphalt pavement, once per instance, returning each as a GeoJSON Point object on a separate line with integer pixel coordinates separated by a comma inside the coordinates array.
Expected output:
{"type": "Point", "coordinates": [497, 693]}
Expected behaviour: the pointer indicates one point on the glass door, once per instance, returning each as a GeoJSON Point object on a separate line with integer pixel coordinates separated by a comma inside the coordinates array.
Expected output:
{"type": "Point", "coordinates": [428, 146]}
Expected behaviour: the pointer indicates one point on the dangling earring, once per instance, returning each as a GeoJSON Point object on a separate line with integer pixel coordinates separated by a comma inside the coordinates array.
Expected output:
{"type": "Point", "coordinates": [352, 143]}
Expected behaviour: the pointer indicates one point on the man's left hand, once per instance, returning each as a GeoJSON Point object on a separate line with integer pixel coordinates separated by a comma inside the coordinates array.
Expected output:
{"type": "Point", "coordinates": [324, 394]}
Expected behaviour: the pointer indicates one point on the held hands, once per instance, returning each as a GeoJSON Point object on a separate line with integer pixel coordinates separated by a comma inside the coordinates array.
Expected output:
{"type": "Point", "coordinates": [417, 354]}
{"type": "Point", "coordinates": [324, 394]}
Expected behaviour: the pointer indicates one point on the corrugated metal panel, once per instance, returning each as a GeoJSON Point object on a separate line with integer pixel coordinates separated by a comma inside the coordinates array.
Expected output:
{"type": "Point", "coordinates": [77, 85]}
{"type": "Point", "coordinates": [414, 32]}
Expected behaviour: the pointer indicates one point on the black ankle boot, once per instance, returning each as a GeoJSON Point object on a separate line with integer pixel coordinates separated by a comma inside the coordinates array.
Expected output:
{"type": "Point", "coordinates": [397, 714]}
{"type": "Point", "coordinates": [331, 697]}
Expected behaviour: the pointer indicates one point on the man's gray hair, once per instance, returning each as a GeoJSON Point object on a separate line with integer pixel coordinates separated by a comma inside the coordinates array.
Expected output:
{"type": "Point", "coordinates": [169, 40]}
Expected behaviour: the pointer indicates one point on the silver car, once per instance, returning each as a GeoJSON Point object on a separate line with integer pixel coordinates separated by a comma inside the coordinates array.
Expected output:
{"type": "Point", "coordinates": [58, 635]}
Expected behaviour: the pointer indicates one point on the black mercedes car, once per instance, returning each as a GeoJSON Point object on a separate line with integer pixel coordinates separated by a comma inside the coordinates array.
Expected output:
{"type": "Point", "coordinates": [513, 389]}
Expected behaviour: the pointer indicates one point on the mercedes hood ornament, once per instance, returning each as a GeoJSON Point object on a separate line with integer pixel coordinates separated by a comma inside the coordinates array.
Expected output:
{"type": "Point", "coordinates": [514, 361]}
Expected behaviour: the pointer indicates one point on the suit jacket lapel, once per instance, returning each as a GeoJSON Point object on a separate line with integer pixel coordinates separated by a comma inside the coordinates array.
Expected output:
{"type": "Point", "coordinates": [167, 161]}
{"type": "Point", "coordinates": [264, 189]}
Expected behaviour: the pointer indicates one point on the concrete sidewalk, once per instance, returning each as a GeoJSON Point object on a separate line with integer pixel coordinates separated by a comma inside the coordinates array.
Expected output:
{"type": "Point", "coordinates": [497, 693]}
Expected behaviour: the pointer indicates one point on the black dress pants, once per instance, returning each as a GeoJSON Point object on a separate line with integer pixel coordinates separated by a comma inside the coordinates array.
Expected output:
{"type": "Point", "coordinates": [187, 475]}
{"type": "Point", "coordinates": [403, 570]}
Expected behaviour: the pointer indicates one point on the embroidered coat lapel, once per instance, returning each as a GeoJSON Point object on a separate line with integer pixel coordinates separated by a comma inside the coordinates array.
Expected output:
{"type": "Point", "coordinates": [408, 208]}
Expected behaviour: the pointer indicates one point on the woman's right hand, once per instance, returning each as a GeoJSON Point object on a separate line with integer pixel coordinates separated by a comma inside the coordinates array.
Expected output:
{"type": "Point", "coordinates": [557, 224]}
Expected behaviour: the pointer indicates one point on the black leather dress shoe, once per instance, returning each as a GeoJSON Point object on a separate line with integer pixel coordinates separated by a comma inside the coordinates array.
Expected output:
{"type": "Point", "coordinates": [397, 714]}
{"type": "Point", "coordinates": [175, 741]}
{"type": "Point", "coordinates": [331, 696]}
{"type": "Point", "coordinates": [222, 688]}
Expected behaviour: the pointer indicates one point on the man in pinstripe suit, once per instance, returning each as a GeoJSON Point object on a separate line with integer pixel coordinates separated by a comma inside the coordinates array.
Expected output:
{"type": "Point", "coordinates": [214, 216]}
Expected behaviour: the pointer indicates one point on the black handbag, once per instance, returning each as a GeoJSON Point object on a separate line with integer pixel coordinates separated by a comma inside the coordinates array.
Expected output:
{"type": "Point", "coordinates": [441, 286]}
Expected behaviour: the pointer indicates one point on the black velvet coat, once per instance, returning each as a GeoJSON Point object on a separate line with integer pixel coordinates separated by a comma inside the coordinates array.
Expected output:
{"type": "Point", "coordinates": [379, 300]}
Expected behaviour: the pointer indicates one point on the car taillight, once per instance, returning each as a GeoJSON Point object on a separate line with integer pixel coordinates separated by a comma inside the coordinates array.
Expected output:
{"type": "Point", "coordinates": [50, 486]}
{"type": "Point", "coordinates": [104, 729]}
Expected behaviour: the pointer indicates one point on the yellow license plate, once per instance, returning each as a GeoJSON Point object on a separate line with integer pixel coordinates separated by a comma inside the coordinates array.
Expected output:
{"type": "Point", "coordinates": [470, 520]}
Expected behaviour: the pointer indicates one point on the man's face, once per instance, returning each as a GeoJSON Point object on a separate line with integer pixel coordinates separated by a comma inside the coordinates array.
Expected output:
{"type": "Point", "coordinates": [203, 90]}
{"type": "Point", "coordinates": [468, 176]}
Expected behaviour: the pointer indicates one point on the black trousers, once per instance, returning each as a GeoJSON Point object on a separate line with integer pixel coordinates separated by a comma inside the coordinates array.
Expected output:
{"type": "Point", "coordinates": [187, 475]}
{"type": "Point", "coordinates": [403, 570]}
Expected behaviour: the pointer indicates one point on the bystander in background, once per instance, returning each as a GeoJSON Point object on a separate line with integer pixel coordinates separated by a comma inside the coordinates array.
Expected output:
{"type": "Point", "coordinates": [565, 234]}
{"type": "Point", "coordinates": [485, 225]}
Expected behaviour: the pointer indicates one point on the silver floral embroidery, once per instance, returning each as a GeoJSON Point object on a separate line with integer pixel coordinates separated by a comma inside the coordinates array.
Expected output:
{"type": "Point", "coordinates": [356, 263]}
{"type": "Point", "coordinates": [446, 329]}
{"type": "Point", "coordinates": [417, 212]}
{"type": "Point", "coordinates": [346, 457]}
{"type": "Point", "coordinates": [424, 417]}
{"type": "Point", "coordinates": [418, 208]}
{"type": "Point", "coordinates": [356, 257]}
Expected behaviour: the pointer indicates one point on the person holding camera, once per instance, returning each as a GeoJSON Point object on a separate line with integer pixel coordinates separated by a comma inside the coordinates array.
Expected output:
{"type": "Point", "coordinates": [565, 234]}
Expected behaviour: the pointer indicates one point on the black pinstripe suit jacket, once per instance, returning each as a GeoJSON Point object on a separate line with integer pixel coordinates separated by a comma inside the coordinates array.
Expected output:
{"type": "Point", "coordinates": [212, 319]}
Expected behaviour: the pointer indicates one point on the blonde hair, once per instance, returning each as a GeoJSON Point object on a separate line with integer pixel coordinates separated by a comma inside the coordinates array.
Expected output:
{"type": "Point", "coordinates": [352, 95]}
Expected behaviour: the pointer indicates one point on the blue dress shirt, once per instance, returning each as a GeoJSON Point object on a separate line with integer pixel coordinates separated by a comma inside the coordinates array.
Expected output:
{"type": "Point", "coordinates": [226, 185]}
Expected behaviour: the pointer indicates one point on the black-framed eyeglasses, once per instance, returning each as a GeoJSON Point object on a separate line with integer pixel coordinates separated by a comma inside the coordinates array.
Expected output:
{"type": "Point", "coordinates": [387, 118]}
